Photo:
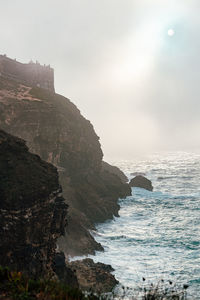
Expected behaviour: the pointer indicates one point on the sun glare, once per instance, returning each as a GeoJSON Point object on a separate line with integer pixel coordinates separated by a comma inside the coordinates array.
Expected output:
{"type": "Point", "coordinates": [136, 61]}
{"type": "Point", "coordinates": [171, 32]}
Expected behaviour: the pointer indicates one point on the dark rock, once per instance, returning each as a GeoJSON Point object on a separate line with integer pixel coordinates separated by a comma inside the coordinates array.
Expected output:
{"type": "Point", "coordinates": [95, 202]}
{"type": "Point", "coordinates": [32, 209]}
{"type": "Point", "coordinates": [78, 239]}
{"type": "Point", "coordinates": [114, 170]}
{"type": "Point", "coordinates": [141, 182]}
{"type": "Point", "coordinates": [65, 274]}
{"type": "Point", "coordinates": [94, 277]}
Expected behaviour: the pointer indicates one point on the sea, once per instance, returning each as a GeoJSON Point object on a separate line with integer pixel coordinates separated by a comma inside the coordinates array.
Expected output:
{"type": "Point", "coordinates": [156, 238]}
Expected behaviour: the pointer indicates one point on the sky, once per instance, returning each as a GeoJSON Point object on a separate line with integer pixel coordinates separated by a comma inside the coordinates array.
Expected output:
{"type": "Point", "coordinates": [114, 59]}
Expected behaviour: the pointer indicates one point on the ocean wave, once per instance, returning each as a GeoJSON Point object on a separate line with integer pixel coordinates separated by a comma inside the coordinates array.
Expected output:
{"type": "Point", "coordinates": [157, 233]}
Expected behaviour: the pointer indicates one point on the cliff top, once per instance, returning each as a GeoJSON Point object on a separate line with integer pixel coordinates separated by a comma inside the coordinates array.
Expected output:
{"type": "Point", "coordinates": [33, 74]}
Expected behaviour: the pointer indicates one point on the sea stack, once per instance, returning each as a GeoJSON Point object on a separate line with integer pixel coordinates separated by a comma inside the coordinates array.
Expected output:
{"type": "Point", "coordinates": [141, 182]}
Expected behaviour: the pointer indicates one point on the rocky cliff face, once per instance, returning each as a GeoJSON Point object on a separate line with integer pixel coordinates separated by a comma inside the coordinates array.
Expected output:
{"type": "Point", "coordinates": [54, 128]}
{"type": "Point", "coordinates": [114, 170]}
{"type": "Point", "coordinates": [32, 209]}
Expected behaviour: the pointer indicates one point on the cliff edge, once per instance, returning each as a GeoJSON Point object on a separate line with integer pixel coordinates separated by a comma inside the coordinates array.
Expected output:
{"type": "Point", "coordinates": [54, 129]}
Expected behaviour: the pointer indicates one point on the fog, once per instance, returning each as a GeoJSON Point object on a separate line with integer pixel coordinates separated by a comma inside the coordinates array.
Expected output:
{"type": "Point", "coordinates": [137, 85]}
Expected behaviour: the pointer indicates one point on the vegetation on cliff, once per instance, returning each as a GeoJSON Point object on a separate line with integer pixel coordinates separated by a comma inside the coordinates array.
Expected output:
{"type": "Point", "coordinates": [15, 286]}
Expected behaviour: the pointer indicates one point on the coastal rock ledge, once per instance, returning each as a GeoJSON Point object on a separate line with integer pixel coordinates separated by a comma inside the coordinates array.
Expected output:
{"type": "Point", "coordinates": [95, 277]}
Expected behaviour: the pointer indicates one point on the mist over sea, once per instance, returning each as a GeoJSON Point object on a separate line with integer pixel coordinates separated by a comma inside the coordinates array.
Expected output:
{"type": "Point", "coordinates": [157, 235]}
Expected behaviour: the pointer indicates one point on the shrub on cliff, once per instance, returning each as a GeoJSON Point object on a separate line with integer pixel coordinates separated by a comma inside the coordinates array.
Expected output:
{"type": "Point", "coordinates": [14, 285]}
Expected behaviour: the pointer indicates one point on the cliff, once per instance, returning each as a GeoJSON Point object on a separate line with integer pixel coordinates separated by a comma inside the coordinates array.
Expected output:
{"type": "Point", "coordinates": [54, 128]}
{"type": "Point", "coordinates": [114, 170]}
{"type": "Point", "coordinates": [32, 211]}
{"type": "Point", "coordinates": [32, 74]}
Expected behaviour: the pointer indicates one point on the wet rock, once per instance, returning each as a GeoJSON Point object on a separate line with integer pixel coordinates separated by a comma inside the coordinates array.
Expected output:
{"type": "Point", "coordinates": [141, 182]}
{"type": "Point", "coordinates": [94, 277]}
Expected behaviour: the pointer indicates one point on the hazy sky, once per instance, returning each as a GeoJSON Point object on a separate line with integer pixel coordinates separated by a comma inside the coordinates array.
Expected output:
{"type": "Point", "coordinates": [114, 59]}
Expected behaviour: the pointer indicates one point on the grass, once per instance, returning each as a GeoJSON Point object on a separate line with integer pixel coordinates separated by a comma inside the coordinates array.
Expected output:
{"type": "Point", "coordinates": [15, 286]}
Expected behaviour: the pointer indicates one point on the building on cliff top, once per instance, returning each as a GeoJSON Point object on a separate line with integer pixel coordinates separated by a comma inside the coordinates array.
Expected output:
{"type": "Point", "coordinates": [32, 74]}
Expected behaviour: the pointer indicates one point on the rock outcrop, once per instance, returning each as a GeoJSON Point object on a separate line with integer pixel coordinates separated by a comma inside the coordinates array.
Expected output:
{"type": "Point", "coordinates": [54, 129]}
{"type": "Point", "coordinates": [141, 182]}
{"type": "Point", "coordinates": [94, 277]}
{"type": "Point", "coordinates": [114, 170]}
{"type": "Point", "coordinates": [32, 210]}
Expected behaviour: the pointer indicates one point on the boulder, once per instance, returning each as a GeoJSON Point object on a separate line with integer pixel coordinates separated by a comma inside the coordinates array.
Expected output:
{"type": "Point", "coordinates": [141, 182]}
